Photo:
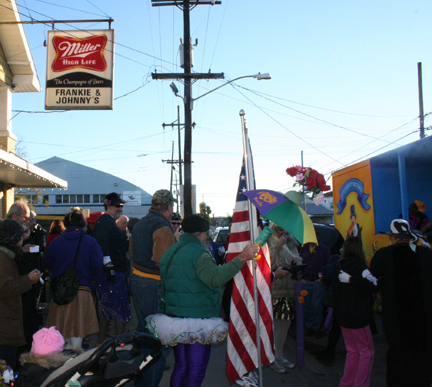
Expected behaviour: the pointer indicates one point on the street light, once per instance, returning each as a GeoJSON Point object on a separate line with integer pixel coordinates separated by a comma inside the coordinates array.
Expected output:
{"type": "Point", "coordinates": [174, 88]}
{"type": "Point", "coordinates": [187, 191]}
{"type": "Point", "coordinates": [175, 91]}
{"type": "Point", "coordinates": [258, 76]}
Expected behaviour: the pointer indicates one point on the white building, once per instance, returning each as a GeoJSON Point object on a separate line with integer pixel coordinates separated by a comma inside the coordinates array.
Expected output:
{"type": "Point", "coordinates": [87, 188]}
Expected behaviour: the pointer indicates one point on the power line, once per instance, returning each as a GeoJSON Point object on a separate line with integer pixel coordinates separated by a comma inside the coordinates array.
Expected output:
{"type": "Point", "coordinates": [317, 107]}
{"type": "Point", "coordinates": [73, 9]}
{"type": "Point", "coordinates": [79, 29]}
{"type": "Point", "coordinates": [283, 126]}
{"type": "Point", "coordinates": [219, 33]}
{"type": "Point", "coordinates": [316, 118]}
{"type": "Point", "coordinates": [377, 150]}
{"type": "Point", "coordinates": [88, 1]}
{"type": "Point", "coordinates": [100, 148]}
{"type": "Point", "coordinates": [386, 134]}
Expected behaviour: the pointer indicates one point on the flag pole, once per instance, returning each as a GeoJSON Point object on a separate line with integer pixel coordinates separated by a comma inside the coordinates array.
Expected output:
{"type": "Point", "coordinates": [249, 186]}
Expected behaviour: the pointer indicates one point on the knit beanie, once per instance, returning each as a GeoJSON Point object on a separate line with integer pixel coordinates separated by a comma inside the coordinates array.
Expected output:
{"type": "Point", "coordinates": [10, 232]}
{"type": "Point", "coordinates": [47, 341]}
{"type": "Point", "coordinates": [195, 223]}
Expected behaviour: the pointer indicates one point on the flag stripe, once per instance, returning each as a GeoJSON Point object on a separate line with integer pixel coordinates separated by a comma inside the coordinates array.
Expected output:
{"type": "Point", "coordinates": [242, 347]}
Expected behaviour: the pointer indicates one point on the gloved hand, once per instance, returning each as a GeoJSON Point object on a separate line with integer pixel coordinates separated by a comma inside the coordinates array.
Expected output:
{"type": "Point", "coordinates": [111, 273]}
{"type": "Point", "coordinates": [344, 277]}
{"type": "Point", "coordinates": [368, 275]}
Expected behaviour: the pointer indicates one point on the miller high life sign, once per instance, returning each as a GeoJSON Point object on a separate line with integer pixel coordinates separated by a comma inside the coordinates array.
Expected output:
{"type": "Point", "coordinates": [80, 70]}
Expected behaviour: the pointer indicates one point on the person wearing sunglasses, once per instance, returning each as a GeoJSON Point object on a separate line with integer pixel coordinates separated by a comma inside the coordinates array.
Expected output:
{"type": "Point", "coordinates": [176, 224]}
{"type": "Point", "coordinates": [20, 213]}
{"type": "Point", "coordinates": [111, 288]}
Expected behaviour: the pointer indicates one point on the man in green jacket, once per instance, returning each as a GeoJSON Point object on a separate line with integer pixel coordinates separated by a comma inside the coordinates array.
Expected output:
{"type": "Point", "coordinates": [192, 282]}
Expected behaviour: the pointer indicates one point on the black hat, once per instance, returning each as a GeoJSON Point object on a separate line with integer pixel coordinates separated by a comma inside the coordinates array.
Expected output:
{"type": "Point", "coordinates": [113, 198]}
{"type": "Point", "coordinates": [176, 216]}
{"type": "Point", "coordinates": [195, 223]}
{"type": "Point", "coordinates": [10, 232]}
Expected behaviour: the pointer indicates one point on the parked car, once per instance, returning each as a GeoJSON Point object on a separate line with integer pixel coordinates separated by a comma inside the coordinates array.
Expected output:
{"type": "Point", "coordinates": [220, 235]}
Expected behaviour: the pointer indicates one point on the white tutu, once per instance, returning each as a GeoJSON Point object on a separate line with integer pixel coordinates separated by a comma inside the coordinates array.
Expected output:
{"type": "Point", "coordinates": [176, 330]}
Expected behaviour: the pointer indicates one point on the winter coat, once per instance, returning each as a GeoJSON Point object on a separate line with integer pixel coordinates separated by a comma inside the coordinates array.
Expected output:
{"type": "Point", "coordinates": [315, 260]}
{"type": "Point", "coordinates": [12, 285]}
{"type": "Point", "coordinates": [404, 278]}
{"type": "Point", "coordinates": [113, 242]}
{"type": "Point", "coordinates": [152, 236]}
{"type": "Point", "coordinates": [188, 292]}
{"type": "Point", "coordinates": [36, 368]}
{"type": "Point", "coordinates": [352, 301]}
{"type": "Point", "coordinates": [288, 256]}
{"type": "Point", "coordinates": [60, 254]}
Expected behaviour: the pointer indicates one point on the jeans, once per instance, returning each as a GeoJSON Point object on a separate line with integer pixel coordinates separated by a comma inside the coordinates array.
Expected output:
{"type": "Point", "coordinates": [314, 305]}
{"type": "Point", "coordinates": [146, 293]}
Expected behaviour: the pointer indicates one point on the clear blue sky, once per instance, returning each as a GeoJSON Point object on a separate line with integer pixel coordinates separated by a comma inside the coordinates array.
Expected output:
{"type": "Point", "coordinates": [344, 85]}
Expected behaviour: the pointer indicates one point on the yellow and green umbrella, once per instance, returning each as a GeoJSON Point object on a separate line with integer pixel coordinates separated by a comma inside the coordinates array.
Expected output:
{"type": "Point", "coordinates": [276, 207]}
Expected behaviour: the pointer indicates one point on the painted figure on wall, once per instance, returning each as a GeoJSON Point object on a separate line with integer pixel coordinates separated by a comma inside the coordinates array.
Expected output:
{"type": "Point", "coordinates": [354, 230]}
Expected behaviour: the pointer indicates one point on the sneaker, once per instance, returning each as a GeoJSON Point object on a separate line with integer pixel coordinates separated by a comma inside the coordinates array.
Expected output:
{"type": "Point", "coordinates": [285, 362]}
{"type": "Point", "coordinates": [247, 381]}
{"type": "Point", "coordinates": [278, 367]}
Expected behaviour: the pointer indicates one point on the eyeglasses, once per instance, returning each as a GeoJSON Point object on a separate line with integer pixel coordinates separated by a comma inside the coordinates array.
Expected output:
{"type": "Point", "coordinates": [24, 217]}
{"type": "Point", "coordinates": [118, 205]}
{"type": "Point", "coordinates": [175, 223]}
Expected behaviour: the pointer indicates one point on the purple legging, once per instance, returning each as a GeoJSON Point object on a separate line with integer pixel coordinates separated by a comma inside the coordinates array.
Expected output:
{"type": "Point", "coordinates": [190, 364]}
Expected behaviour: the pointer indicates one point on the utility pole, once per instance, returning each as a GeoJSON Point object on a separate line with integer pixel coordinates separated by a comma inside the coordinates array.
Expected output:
{"type": "Point", "coordinates": [172, 166]}
{"type": "Point", "coordinates": [179, 161]}
{"type": "Point", "coordinates": [187, 76]}
{"type": "Point", "coordinates": [420, 87]}
{"type": "Point", "coordinates": [177, 193]}
{"type": "Point", "coordinates": [172, 162]}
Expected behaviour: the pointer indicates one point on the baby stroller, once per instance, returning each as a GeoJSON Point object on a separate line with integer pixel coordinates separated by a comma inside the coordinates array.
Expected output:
{"type": "Point", "coordinates": [117, 362]}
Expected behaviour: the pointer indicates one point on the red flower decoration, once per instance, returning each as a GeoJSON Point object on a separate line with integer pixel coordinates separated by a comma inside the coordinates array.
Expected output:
{"type": "Point", "coordinates": [293, 171]}
{"type": "Point", "coordinates": [310, 179]}
{"type": "Point", "coordinates": [320, 179]}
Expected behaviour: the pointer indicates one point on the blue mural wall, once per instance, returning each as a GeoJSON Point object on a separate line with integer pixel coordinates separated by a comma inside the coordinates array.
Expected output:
{"type": "Point", "coordinates": [387, 191]}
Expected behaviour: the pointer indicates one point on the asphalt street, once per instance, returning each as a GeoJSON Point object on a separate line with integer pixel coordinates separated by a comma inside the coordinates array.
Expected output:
{"type": "Point", "coordinates": [315, 373]}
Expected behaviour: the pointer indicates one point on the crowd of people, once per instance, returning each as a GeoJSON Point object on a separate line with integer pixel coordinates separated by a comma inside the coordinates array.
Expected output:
{"type": "Point", "coordinates": [173, 274]}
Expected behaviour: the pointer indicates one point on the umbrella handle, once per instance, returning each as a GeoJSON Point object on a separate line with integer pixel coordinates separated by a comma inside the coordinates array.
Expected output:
{"type": "Point", "coordinates": [258, 256]}
{"type": "Point", "coordinates": [262, 239]}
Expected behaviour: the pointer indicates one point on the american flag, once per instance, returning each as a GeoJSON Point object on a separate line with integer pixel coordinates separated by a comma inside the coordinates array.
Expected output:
{"type": "Point", "coordinates": [242, 349]}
